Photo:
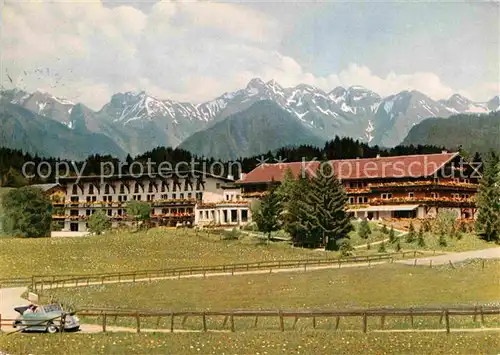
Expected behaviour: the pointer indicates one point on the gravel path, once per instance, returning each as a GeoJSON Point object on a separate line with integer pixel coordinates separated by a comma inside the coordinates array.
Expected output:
{"type": "Point", "coordinates": [492, 253]}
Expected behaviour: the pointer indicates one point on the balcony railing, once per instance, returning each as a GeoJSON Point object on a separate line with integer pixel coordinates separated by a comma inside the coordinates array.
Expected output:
{"type": "Point", "coordinates": [257, 194]}
{"type": "Point", "coordinates": [452, 184]}
{"type": "Point", "coordinates": [450, 201]}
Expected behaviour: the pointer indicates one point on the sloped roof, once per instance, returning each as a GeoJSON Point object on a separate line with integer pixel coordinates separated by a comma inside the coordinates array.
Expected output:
{"type": "Point", "coordinates": [348, 169]}
{"type": "Point", "coordinates": [45, 187]}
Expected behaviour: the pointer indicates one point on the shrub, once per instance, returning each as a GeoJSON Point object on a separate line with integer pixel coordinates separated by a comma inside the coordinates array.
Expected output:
{"type": "Point", "coordinates": [420, 238]}
{"type": "Point", "coordinates": [411, 235]}
{"type": "Point", "coordinates": [442, 240]}
{"type": "Point", "coordinates": [384, 229]}
{"type": "Point", "coordinates": [345, 247]}
{"type": "Point", "coordinates": [381, 247]}
{"type": "Point", "coordinates": [98, 222]}
{"type": "Point", "coordinates": [233, 234]}
{"type": "Point", "coordinates": [392, 235]}
{"type": "Point", "coordinates": [364, 229]}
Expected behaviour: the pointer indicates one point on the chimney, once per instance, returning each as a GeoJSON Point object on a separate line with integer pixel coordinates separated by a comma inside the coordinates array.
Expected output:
{"type": "Point", "coordinates": [243, 176]}
{"type": "Point", "coordinates": [444, 152]}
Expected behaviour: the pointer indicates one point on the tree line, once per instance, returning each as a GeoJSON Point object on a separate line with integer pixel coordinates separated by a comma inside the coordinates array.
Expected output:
{"type": "Point", "coordinates": [12, 160]}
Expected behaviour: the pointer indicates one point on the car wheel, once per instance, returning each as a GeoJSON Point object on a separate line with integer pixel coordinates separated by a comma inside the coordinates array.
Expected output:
{"type": "Point", "coordinates": [51, 328]}
{"type": "Point", "coordinates": [16, 324]}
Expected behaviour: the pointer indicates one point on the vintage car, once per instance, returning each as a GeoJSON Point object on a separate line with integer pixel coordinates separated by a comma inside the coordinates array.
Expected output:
{"type": "Point", "coordinates": [44, 319]}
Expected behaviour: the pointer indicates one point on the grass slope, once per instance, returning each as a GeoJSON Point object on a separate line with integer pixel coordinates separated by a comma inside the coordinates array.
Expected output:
{"type": "Point", "coordinates": [122, 251]}
{"type": "Point", "coordinates": [388, 285]}
{"type": "Point", "coordinates": [312, 342]}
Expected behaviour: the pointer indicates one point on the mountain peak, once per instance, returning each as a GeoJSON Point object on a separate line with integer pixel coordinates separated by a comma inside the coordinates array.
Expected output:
{"type": "Point", "coordinates": [256, 83]}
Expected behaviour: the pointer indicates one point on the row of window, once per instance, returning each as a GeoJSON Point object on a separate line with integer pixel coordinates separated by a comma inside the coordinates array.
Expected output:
{"type": "Point", "coordinates": [121, 211]}
{"type": "Point", "coordinates": [149, 197]}
{"type": "Point", "coordinates": [152, 188]}
{"type": "Point", "coordinates": [386, 196]}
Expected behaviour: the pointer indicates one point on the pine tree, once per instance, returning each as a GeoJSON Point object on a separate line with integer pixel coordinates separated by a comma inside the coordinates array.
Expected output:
{"type": "Point", "coordinates": [364, 229]}
{"type": "Point", "coordinates": [397, 247]}
{"type": "Point", "coordinates": [392, 235]}
{"type": "Point", "coordinates": [488, 200]}
{"type": "Point", "coordinates": [323, 216]}
{"type": "Point", "coordinates": [267, 217]}
{"type": "Point", "coordinates": [292, 214]}
{"type": "Point", "coordinates": [411, 235]}
{"type": "Point", "coordinates": [420, 237]}
{"type": "Point", "coordinates": [442, 240]}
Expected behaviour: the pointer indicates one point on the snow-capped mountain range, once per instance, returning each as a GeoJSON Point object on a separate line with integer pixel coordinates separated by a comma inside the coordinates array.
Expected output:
{"type": "Point", "coordinates": [139, 121]}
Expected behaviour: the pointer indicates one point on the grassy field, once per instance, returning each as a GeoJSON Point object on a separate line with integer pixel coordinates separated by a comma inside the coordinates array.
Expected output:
{"type": "Point", "coordinates": [122, 251]}
{"type": "Point", "coordinates": [389, 285]}
{"type": "Point", "coordinates": [468, 241]}
{"type": "Point", "coordinates": [317, 342]}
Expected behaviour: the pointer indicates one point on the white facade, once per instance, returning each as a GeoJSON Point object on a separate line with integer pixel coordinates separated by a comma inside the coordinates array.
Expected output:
{"type": "Point", "coordinates": [173, 201]}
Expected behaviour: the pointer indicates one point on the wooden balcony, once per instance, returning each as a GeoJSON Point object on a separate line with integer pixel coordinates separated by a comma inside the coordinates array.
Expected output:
{"type": "Point", "coordinates": [445, 185]}
{"type": "Point", "coordinates": [429, 201]}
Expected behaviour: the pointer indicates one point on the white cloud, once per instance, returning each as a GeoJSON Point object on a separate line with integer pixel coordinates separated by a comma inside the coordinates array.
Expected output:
{"type": "Point", "coordinates": [180, 50]}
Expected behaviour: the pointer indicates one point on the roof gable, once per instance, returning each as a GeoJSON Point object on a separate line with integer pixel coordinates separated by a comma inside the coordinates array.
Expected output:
{"type": "Point", "coordinates": [349, 169]}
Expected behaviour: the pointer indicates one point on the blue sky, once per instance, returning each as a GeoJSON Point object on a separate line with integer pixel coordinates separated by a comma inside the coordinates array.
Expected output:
{"type": "Point", "coordinates": [196, 51]}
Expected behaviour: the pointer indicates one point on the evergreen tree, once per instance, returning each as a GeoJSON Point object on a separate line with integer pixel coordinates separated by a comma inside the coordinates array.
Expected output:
{"type": "Point", "coordinates": [290, 196]}
{"type": "Point", "coordinates": [488, 200]}
{"type": "Point", "coordinates": [397, 247]}
{"type": "Point", "coordinates": [98, 222]}
{"type": "Point", "coordinates": [442, 240]}
{"type": "Point", "coordinates": [420, 237]}
{"type": "Point", "coordinates": [27, 213]}
{"type": "Point", "coordinates": [324, 216]}
{"type": "Point", "coordinates": [392, 235]}
{"type": "Point", "coordinates": [267, 217]}
{"type": "Point", "coordinates": [364, 229]}
{"type": "Point", "coordinates": [411, 235]}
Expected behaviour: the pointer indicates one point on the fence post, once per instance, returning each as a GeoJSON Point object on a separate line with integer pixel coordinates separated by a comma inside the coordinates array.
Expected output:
{"type": "Point", "coordinates": [314, 322]}
{"type": "Point", "coordinates": [475, 314]}
{"type": "Point", "coordinates": [172, 322]}
{"type": "Point", "coordinates": [411, 317]}
{"type": "Point", "coordinates": [482, 316]}
{"type": "Point", "coordinates": [282, 322]}
{"type": "Point", "coordinates": [204, 322]}
{"type": "Point", "coordinates": [0, 322]}
{"type": "Point", "coordinates": [232, 322]}
{"type": "Point", "coordinates": [337, 322]}
{"type": "Point", "coordinates": [447, 320]}
{"type": "Point", "coordinates": [382, 321]}
{"type": "Point", "coordinates": [482, 264]}
{"type": "Point", "coordinates": [365, 322]}
{"type": "Point", "coordinates": [104, 322]}
{"type": "Point", "coordinates": [415, 262]}
{"type": "Point", "coordinates": [138, 319]}
{"type": "Point", "coordinates": [255, 323]}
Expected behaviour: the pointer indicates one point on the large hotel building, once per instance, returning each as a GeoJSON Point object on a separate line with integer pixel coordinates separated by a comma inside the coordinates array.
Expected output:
{"type": "Point", "coordinates": [416, 186]}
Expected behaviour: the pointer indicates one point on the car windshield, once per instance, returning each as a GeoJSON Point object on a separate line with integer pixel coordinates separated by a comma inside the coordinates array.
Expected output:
{"type": "Point", "coordinates": [52, 308]}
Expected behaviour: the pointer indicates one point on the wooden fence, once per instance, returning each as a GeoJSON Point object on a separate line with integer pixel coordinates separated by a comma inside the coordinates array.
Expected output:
{"type": "Point", "coordinates": [444, 315]}
{"type": "Point", "coordinates": [59, 321]}
{"type": "Point", "coordinates": [41, 282]}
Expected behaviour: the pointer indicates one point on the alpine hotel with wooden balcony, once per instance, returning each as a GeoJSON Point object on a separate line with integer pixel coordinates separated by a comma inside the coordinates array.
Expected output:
{"type": "Point", "coordinates": [176, 199]}
{"type": "Point", "coordinates": [416, 186]}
